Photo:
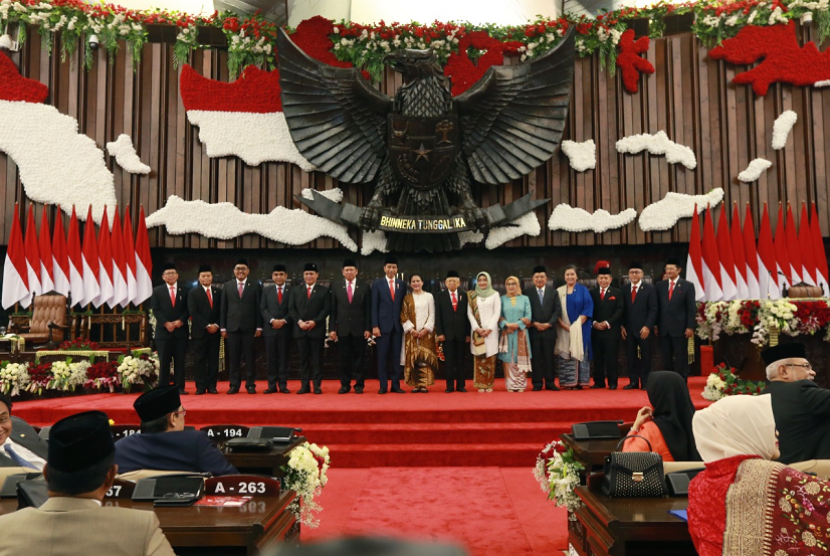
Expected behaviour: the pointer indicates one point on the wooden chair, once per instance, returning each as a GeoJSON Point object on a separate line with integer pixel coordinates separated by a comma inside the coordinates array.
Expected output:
{"type": "Point", "coordinates": [48, 322]}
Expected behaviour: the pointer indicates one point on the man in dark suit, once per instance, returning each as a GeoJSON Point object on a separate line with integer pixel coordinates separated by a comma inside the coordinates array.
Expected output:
{"type": "Point", "coordinates": [277, 331]}
{"type": "Point", "coordinates": [309, 306]}
{"type": "Point", "coordinates": [545, 309]}
{"type": "Point", "coordinates": [170, 310]}
{"type": "Point", "coordinates": [801, 409]}
{"type": "Point", "coordinates": [164, 444]}
{"type": "Point", "coordinates": [639, 317]}
{"type": "Point", "coordinates": [350, 326]}
{"type": "Point", "coordinates": [605, 335]}
{"type": "Point", "coordinates": [203, 304]}
{"type": "Point", "coordinates": [387, 297]}
{"type": "Point", "coordinates": [241, 322]}
{"type": "Point", "coordinates": [452, 328]}
{"type": "Point", "coordinates": [20, 445]}
{"type": "Point", "coordinates": [676, 300]}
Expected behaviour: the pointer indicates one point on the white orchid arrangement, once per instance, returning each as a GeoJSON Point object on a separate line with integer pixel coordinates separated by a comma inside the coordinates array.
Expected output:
{"type": "Point", "coordinates": [306, 473]}
{"type": "Point", "coordinates": [68, 375]}
{"type": "Point", "coordinates": [14, 377]}
{"type": "Point", "coordinates": [137, 370]}
{"type": "Point", "coordinates": [558, 474]}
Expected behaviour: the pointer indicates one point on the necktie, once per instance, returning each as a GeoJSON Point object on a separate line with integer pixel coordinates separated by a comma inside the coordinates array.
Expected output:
{"type": "Point", "coordinates": [279, 294]}
{"type": "Point", "coordinates": [309, 293]}
{"type": "Point", "coordinates": [392, 289]}
{"type": "Point", "coordinates": [633, 293]}
{"type": "Point", "coordinates": [349, 292]}
{"type": "Point", "coordinates": [454, 302]}
{"type": "Point", "coordinates": [602, 294]}
{"type": "Point", "coordinates": [172, 296]}
{"type": "Point", "coordinates": [671, 288]}
{"type": "Point", "coordinates": [17, 458]}
{"type": "Point", "coordinates": [210, 297]}
{"type": "Point", "coordinates": [541, 296]}
{"type": "Point", "coordinates": [240, 286]}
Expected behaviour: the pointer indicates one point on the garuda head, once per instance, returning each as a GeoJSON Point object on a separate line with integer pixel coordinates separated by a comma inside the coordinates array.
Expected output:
{"type": "Point", "coordinates": [414, 64]}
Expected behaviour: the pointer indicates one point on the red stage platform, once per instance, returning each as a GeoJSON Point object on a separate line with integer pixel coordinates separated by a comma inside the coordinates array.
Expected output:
{"type": "Point", "coordinates": [500, 429]}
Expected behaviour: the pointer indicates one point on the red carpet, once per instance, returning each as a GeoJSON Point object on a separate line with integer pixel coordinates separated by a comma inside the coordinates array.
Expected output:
{"type": "Point", "coordinates": [436, 429]}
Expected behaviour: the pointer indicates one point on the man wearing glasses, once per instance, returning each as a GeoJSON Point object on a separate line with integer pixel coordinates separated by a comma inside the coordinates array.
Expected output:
{"type": "Point", "coordinates": [800, 407]}
{"type": "Point", "coordinates": [163, 443]}
{"type": "Point", "coordinates": [169, 304]}
{"type": "Point", "coordinates": [639, 317]}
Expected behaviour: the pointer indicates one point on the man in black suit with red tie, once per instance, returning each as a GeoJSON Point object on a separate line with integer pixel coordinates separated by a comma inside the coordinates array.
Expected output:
{"type": "Point", "coordinates": [639, 317]}
{"type": "Point", "coordinates": [240, 322]}
{"type": "Point", "coordinates": [387, 296]}
{"type": "Point", "coordinates": [545, 310]}
{"type": "Point", "coordinates": [350, 325]}
{"type": "Point", "coordinates": [676, 299]}
{"type": "Point", "coordinates": [452, 329]}
{"type": "Point", "coordinates": [309, 306]}
{"type": "Point", "coordinates": [170, 310]}
{"type": "Point", "coordinates": [203, 304]}
{"type": "Point", "coordinates": [277, 329]}
{"type": "Point", "coordinates": [605, 335]}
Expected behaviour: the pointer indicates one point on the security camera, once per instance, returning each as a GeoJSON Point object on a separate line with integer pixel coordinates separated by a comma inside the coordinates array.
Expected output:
{"type": "Point", "coordinates": [93, 41]}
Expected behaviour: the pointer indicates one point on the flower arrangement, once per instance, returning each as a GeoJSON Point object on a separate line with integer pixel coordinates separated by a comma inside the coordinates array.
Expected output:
{"type": "Point", "coordinates": [765, 319]}
{"type": "Point", "coordinates": [141, 369]}
{"type": "Point", "coordinates": [103, 376]}
{"type": "Point", "coordinates": [78, 344]}
{"type": "Point", "coordinates": [558, 474]}
{"type": "Point", "coordinates": [724, 382]}
{"type": "Point", "coordinates": [68, 375]}
{"type": "Point", "coordinates": [14, 378]}
{"type": "Point", "coordinates": [665, 213]}
{"type": "Point", "coordinates": [306, 473]}
{"type": "Point", "coordinates": [40, 377]}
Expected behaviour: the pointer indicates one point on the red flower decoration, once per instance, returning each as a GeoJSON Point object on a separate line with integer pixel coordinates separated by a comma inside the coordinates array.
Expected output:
{"type": "Point", "coordinates": [630, 62]}
{"type": "Point", "coordinates": [254, 91]}
{"type": "Point", "coordinates": [784, 61]}
{"type": "Point", "coordinates": [15, 87]}
{"type": "Point", "coordinates": [463, 72]}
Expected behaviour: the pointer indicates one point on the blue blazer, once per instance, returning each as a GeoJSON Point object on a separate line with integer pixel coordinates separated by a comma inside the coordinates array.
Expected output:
{"type": "Point", "coordinates": [171, 451]}
{"type": "Point", "coordinates": [386, 314]}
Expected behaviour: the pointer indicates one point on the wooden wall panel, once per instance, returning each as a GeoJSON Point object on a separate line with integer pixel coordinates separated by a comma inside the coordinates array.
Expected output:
{"type": "Point", "coordinates": [690, 97]}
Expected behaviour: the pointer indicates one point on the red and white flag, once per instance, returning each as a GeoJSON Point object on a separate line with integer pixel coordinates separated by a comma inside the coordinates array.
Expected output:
{"type": "Point", "coordinates": [711, 262]}
{"type": "Point", "coordinates": [91, 264]}
{"type": "Point", "coordinates": [46, 262]}
{"type": "Point", "coordinates": [105, 259]}
{"type": "Point", "coordinates": [793, 248]}
{"type": "Point", "coordinates": [694, 261]}
{"type": "Point", "coordinates": [60, 260]}
{"type": "Point", "coordinates": [819, 254]}
{"type": "Point", "coordinates": [753, 274]}
{"type": "Point", "coordinates": [129, 258]}
{"type": "Point", "coordinates": [738, 255]}
{"type": "Point", "coordinates": [768, 265]}
{"type": "Point", "coordinates": [119, 265]}
{"type": "Point", "coordinates": [15, 269]}
{"type": "Point", "coordinates": [32, 254]}
{"type": "Point", "coordinates": [76, 261]}
{"type": "Point", "coordinates": [727, 262]}
{"type": "Point", "coordinates": [782, 258]}
{"type": "Point", "coordinates": [805, 241]}
{"type": "Point", "coordinates": [143, 262]}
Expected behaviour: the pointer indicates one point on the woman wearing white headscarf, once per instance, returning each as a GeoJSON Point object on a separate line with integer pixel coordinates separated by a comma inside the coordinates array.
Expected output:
{"type": "Point", "coordinates": [743, 503]}
{"type": "Point", "coordinates": [483, 312]}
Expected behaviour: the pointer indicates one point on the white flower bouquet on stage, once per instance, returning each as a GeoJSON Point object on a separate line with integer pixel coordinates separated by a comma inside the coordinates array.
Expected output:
{"type": "Point", "coordinates": [14, 378]}
{"type": "Point", "coordinates": [138, 369]}
{"type": "Point", "coordinates": [558, 474]}
{"type": "Point", "coordinates": [306, 473]}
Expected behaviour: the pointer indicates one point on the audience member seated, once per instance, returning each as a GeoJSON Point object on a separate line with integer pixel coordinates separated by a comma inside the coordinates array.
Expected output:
{"type": "Point", "coordinates": [20, 446]}
{"type": "Point", "coordinates": [744, 504]}
{"type": "Point", "coordinates": [163, 443]}
{"type": "Point", "coordinates": [800, 407]}
{"type": "Point", "coordinates": [667, 424]}
{"type": "Point", "coordinates": [79, 472]}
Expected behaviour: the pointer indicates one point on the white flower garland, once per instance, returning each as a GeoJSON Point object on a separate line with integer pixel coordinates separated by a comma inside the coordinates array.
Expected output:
{"type": "Point", "coordinates": [14, 377]}
{"type": "Point", "coordinates": [782, 127]}
{"type": "Point", "coordinates": [58, 165]}
{"type": "Point", "coordinates": [658, 144]}
{"type": "Point", "coordinates": [225, 221]}
{"type": "Point", "coordinates": [568, 218]}
{"type": "Point", "coordinates": [822, 83]}
{"type": "Point", "coordinates": [665, 213]}
{"type": "Point", "coordinates": [582, 156]}
{"type": "Point", "coordinates": [524, 225]}
{"type": "Point", "coordinates": [374, 241]}
{"type": "Point", "coordinates": [306, 473]}
{"type": "Point", "coordinates": [126, 157]}
{"type": "Point", "coordinates": [754, 170]}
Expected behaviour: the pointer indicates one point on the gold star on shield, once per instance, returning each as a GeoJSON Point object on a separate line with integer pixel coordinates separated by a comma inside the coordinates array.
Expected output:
{"type": "Point", "coordinates": [421, 152]}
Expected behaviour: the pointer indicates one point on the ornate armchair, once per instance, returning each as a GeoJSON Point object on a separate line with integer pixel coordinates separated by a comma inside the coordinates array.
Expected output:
{"type": "Point", "coordinates": [48, 322]}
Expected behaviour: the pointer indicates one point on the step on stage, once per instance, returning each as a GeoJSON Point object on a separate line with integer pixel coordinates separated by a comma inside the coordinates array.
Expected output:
{"type": "Point", "coordinates": [436, 429]}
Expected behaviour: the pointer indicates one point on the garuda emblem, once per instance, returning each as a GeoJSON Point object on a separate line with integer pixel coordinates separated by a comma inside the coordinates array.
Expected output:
{"type": "Point", "coordinates": [424, 148]}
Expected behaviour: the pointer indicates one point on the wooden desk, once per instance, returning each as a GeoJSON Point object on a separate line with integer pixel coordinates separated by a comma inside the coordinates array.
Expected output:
{"type": "Point", "coordinates": [619, 526]}
{"type": "Point", "coordinates": [263, 463]}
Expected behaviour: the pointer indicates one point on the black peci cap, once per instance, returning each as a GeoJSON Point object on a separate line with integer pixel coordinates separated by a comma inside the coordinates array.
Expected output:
{"type": "Point", "coordinates": [349, 262]}
{"type": "Point", "coordinates": [635, 265]}
{"type": "Point", "coordinates": [241, 261]}
{"type": "Point", "coordinates": [783, 351]}
{"type": "Point", "coordinates": [157, 403]}
{"type": "Point", "coordinates": [205, 268]}
{"type": "Point", "coordinates": [278, 268]}
{"type": "Point", "coordinates": [453, 274]}
{"type": "Point", "coordinates": [539, 268]}
{"type": "Point", "coordinates": [310, 267]}
{"type": "Point", "coordinates": [79, 441]}
{"type": "Point", "coordinates": [604, 270]}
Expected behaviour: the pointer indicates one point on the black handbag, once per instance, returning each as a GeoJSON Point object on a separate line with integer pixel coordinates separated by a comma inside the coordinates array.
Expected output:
{"type": "Point", "coordinates": [634, 474]}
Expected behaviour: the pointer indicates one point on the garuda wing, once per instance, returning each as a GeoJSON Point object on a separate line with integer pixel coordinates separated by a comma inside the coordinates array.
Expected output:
{"type": "Point", "coordinates": [336, 119]}
{"type": "Point", "coordinates": [512, 118]}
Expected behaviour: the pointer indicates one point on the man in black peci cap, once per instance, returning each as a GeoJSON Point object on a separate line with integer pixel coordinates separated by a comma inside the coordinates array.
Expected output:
{"type": "Point", "coordinates": [79, 472]}
{"type": "Point", "coordinates": [203, 303]}
{"type": "Point", "coordinates": [309, 306]}
{"type": "Point", "coordinates": [801, 409]}
{"type": "Point", "coordinates": [639, 318]}
{"type": "Point", "coordinates": [164, 444]}
{"type": "Point", "coordinates": [240, 321]}
{"type": "Point", "coordinates": [676, 319]}
{"type": "Point", "coordinates": [169, 304]}
{"type": "Point", "coordinates": [605, 333]}
{"type": "Point", "coordinates": [277, 329]}
{"type": "Point", "coordinates": [350, 325]}
{"type": "Point", "coordinates": [545, 310]}
{"type": "Point", "coordinates": [452, 329]}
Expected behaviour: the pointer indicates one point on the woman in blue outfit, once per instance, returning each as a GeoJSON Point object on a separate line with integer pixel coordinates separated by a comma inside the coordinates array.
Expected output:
{"type": "Point", "coordinates": [514, 344]}
{"type": "Point", "coordinates": [573, 343]}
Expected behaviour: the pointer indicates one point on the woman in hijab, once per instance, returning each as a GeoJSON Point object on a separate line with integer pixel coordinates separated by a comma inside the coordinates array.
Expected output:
{"type": "Point", "coordinates": [514, 344]}
{"type": "Point", "coordinates": [742, 503]}
{"type": "Point", "coordinates": [573, 341]}
{"type": "Point", "coordinates": [483, 311]}
{"type": "Point", "coordinates": [667, 424]}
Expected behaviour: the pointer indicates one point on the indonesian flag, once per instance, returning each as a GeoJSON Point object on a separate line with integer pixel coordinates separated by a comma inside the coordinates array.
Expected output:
{"type": "Point", "coordinates": [753, 273]}
{"type": "Point", "coordinates": [805, 242]}
{"type": "Point", "coordinates": [32, 254]}
{"type": "Point", "coordinates": [794, 249]}
{"type": "Point", "coordinates": [46, 260]}
{"type": "Point", "coordinates": [119, 265]}
{"type": "Point", "coordinates": [820, 255]}
{"type": "Point", "coordinates": [694, 261]}
{"type": "Point", "coordinates": [767, 264]}
{"type": "Point", "coordinates": [60, 260]}
{"type": "Point", "coordinates": [728, 277]}
{"type": "Point", "coordinates": [91, 265]}
{"type": "Point", "coordinates": [782, 258]}
{"type": "Point", "coordinates": [738, 254]}
{"type": "Point", "coordinates": [105, 258]}
{"type": "Point", "coordinates": [129, 257]}
{"type": "Point", "coordinates": [711, 262]}
{"type": "Point", "coordinates": [76, 261]}
{"type": "Point", "coordinates": [143, 262]}
{"type": "Point", "coordinates": [15, 269]}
